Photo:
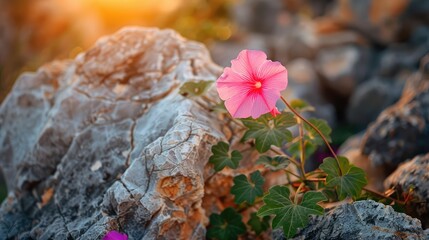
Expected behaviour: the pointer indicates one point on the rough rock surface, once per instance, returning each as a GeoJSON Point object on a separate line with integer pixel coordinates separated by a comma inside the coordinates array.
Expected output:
{"type": "Point", "coordinates": [363, 220]}
{"type": "Point", "coordinates": [106, 142]}
{"type": "Point", "coordinates": [402, 130]}
{"type": "Point", "coordinates": [414, 175]}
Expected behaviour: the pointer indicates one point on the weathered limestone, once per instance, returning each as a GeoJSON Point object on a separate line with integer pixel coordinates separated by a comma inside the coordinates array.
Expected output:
{"type": "Point", "coordinates": [106, 142]}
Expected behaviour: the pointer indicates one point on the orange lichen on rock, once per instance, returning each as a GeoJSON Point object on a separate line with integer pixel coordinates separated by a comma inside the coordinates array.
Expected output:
{"type": "Point", "coordinates": [176, 186]}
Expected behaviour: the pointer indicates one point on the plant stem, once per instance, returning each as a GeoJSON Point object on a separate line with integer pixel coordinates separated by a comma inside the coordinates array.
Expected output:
{"type": "Point", "coordinates": [383, 196]}
{"type": "Point", "coordinates": [315, 129]}
{"type": "Point", "coordinates": [301, 143]}
{"type": "Point", "coordinates": [285, 155]}
{"type": "Point", "coordinates": [316, 179]}
{"type": "Point", "coordinates": [248, 205]}
{"type": "Point", "coordinates": [293, 174]}
{"type": "Point", "coordinates": [297, 191]}
{"type": "Point", "coordinates": [315, 172]}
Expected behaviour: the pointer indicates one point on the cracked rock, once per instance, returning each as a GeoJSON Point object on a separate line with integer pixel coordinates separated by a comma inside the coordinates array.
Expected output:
{"type": "Point", "coordinates": [363, 220]}
{"type": "Point", "coordinates": [105, 141]}
{"type": "Point", "coordinates": [413, 175]}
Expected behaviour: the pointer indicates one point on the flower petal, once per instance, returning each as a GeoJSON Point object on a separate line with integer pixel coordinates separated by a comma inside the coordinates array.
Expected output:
{"type": "Point", "coordinates": [239, 101]}
{"type": "Point", "coordinates": [260, 106]}
{"type": "Point", "coordinates": [270, 97]}
{"type": "Point", "coordinates": [248, 62]}
{"type": "Point", "coordinates": [274, 75]}
{"type": "Point", "coordinates": [231, 83]}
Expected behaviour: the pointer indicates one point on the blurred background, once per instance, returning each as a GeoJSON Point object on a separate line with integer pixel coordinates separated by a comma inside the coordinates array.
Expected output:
{"type": "Point", "coordinates": [348, 58]}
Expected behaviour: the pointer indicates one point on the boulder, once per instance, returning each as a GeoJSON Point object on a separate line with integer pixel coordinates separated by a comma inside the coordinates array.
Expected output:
{"type": "Point", "coordinates": [412, 177]}
{"type": "Point", "coordinates": [402, 130]}
{"type": "Point", "coordinates": [342, 68]}
{"type": "Point", "coordinates": [105, 142]}
{"type": "Point", "coordinates": [404, 57]}
{"type": "Point", "coordinates": [363, 220]}
{"type": "Point", "coordinates": [370, 99]}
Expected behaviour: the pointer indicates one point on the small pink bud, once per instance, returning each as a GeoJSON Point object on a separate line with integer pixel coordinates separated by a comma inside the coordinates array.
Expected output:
{"type": "Point", "coordinates": [275, 112]}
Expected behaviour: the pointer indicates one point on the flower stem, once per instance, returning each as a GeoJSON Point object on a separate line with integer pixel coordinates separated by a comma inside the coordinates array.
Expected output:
{"type": "Point", "coordinates": [301, 143]}
{"type": "Point", "coordinates": [317, 130]}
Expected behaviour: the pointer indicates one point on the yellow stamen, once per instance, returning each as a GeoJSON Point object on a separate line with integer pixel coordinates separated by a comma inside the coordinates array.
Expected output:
{"type": "Point", "coordinates": [258, 84]}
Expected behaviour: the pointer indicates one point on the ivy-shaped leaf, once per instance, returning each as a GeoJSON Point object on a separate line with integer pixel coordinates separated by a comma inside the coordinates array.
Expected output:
{"type": "Point", "coordinates": [349, 183]}
{"type": "Point", "coordinates": [295, 148]}
{"type": "Point", "coordinates": [268, 130]}
{"type": "Point", "coordinates": [274, 163]}
{"type": "Point", "coordinates": [289, 215]}
{"type": "Point", "coordinates": [194, 89]}
{"type": "Point", "coordinates": [323, 127]}
{"type": "Point", "coordinates": [301, 105]}
{"type": "Point", "coordinates": [247, 191]}
{"type": "Point", "coordinates": [226, 226]}
{"type": "Point", "coordinates": [257, 224]}
{"type": "Point", "coordinates": [223, 158]}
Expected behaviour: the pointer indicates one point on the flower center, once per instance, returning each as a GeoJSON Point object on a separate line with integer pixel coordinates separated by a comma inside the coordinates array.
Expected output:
{"type": "Point", "coordinates": [258, 84]}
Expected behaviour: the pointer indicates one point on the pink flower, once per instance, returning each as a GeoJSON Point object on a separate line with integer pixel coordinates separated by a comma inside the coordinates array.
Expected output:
{"type": "Point", "coordinates": [114, 235]}
{"type": "Point", "coordinates": [252, 85]}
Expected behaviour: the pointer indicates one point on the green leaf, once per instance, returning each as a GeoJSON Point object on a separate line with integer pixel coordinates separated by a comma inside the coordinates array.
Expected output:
{"type": "Point", "coordinates": [323, 127]}
{"type": "Point", "coordinates": [301, 105]}
{"type": "Point", "coordinates": [227, 225]}
{"type": "Point", "coordinates": [295, 148]}
{"type": "Point", "coordinates": [274, 163]}
{"type": "Point", "coordinates": [223, 158]}
{"type": "Point", "coordinates": [268, 130]}
{"type": "Point", "coordinates": [194, 89]}
{"type": "Point", "coordinates": [347, 182]}
{"type": "Point", "coordinates": [247, 191]}
{"type": "Point", "coordinates": [289, 215]}
{"type": "Point", "coordinates": [257, 224]}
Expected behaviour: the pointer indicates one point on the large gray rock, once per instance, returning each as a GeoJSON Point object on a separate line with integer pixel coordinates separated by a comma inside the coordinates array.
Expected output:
{"type": "Point", "coordinates": [370, 99]}
{"type": "Point", "coordinates": [342, 68]}
{"type": "Point", "coordinates": [402, 130]}
{"type": "Point", "coordinates": [363, 220]}
{"type": "Point", "coordinates": [405, 57]}
{"type": "Point", "coordinates": [412, 177]}
{"type": "Point", "coordinates": [106, 142]}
